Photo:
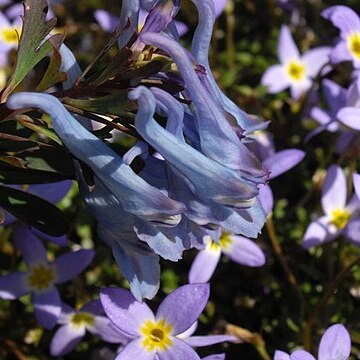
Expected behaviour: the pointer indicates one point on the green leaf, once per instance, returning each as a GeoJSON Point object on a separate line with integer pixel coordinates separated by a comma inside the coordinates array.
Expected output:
{"type": "Point", "coordinates": [47, 217]}
{"type": "Point", "coordinates": [15, 175]}
{"type": "Point", "coordinates": [53, 75]}
{"type": "Point", "coordinates": [32, 47]}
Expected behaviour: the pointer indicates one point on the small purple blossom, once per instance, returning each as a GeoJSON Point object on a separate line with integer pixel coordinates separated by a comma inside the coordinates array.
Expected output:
{"type": "Point", "coordinates": [340, 217]}
{"type": "Point", "coordinates": [42, 276]}
{"type": "Point", "coordinates": [164, 335]}
{"type": "Point", "coordinates": [75, 323]}
{"type": "Point", "coordinates": [348, 22]}
{"type": "Point", "coordinates": [237, 248]}
{"type": "Point", "coordinates": [334, 344]}
{"type": "Point", "coordinates": [356, 179]}
{"type": "Point", "coordinates": [295, 71]}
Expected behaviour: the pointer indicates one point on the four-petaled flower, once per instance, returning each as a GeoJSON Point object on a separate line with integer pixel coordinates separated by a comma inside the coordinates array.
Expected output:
{"type": "Point", "coordinates": [164, 335]}
{"type": "Point", "coordinates": [339, 217]}
{"type": "Point", "coordinates": [295, 71]}
{"type": "Point", "coordinates": [74, 324]}
{"type": "Point", "coordinates": [42, 276]}
{"type": "Point", "coordinates": [335, 344]}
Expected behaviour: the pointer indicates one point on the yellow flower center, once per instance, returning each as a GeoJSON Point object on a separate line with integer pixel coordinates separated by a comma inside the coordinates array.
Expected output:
{"type": "Point", "coordinates": [82, 319]}
{"type": "Point", "coordinates": [156, 335]}
{"type": "Point", "coordinates": [296, 70]}
{"type": "Point", "coordinates": [353, 42]}
{"type": "Point", "coordinates": [11, 35]}
{"type": "Point", "coordinates": [41, 277]}
{"type": "Point", "coordinates": [224, 242]}
{"type": "Point", "coordinates": [340, 217]}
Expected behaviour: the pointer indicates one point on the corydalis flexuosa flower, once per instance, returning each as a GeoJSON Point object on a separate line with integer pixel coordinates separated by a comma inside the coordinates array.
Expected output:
{"type": "Point", "coordinates": [334, 344]}
{"type": "Point", "coordinates": [295, 70]}
{"type": "Point", "coordinates": [203, 175]}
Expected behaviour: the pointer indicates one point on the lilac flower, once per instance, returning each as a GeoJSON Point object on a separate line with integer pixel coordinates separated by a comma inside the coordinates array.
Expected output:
{"type": "Point", "coordinates": [74, 324]}
{"type": "Point", "coordinates": [334, 344]}
{"type": "Point", "coordinates": [295, 71]}
{"type": "Point", "coordinates": [158, 336]}
{"type": "Point", "coordinates": [238, 248]}
{"type": "Point", "coordinates": [9, 33]}
{"type": "Point", "coordinates": [356, 179]}
{"type": "Point", "coordinates": [348, 22]}
{"type": "Point", "coordinates": [42, 276]}
{"type": "Point", "coordinates": [339, 218]}
{"type": "Point", "coordinates": [350, 112]}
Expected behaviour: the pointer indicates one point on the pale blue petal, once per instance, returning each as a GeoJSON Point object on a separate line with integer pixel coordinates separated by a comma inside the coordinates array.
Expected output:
{"type": "Point", "coordinates": [335, 343]}
{"type": "Point", "coordinates": [66, 339]}
{"type": "Point", "coordinates": [287, 50]}
{"type": "Point", "coordinates": [14, 285]}
{"type": "Point", "coordinates": [204, 266]}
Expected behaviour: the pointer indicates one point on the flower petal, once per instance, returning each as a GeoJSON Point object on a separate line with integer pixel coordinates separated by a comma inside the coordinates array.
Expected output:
{"type": "Point", "coordinates": [301, 355]}
{"type": "Point", "coordinates": [281, 355]}
{"type": "Point", "coordinates": [287, 50]}
{"type": "Point", "coordinates": [204, 265]}
{"type": "Point", "coordinates": [315, 59]}
{"type": "Point", "coordinates": [356, 180]}
{"type": "Point", "coordinates": [215, 357]}
{"type": "Point", "coordinates": [102, 328]}
{"type": "Point", "coordinates": [299, 88]}
{"type": "Point", "coordinates": [266, 198]}
{"type": "Point", "coordinates": [350, 116]}
{"type": "Point", "coordinates": [106, 20]}
{"type": "Point", "coordinates": [13, 285]}
{"type": "Point", "coordinates": [335, 343]}
{"type": "Point", "coordinates": [65, 339]}
{"type": "Point", "coordinates": [135, 350]}
{"type": "Point", "coordinates": [29, 245]}
{"type": "Point", "coordinates": [124, 311]}
{"type": "Point", "coordinates": [334, 191]}
{"type": "Point", "coordinates": [335, 95]}
{"type": "Point", "coordinates": [189, 301]}
{"type": "Point", "coordinates": [319, 232]}
{"type": "Point", "coordinates": [352, 230]}
{"type": "Point", "coordinates": [275, 79]}
{"type": "Point", "coordinates": [340, 53]}
{"type": "Point", "coordinates": [135, 195]}
{"type": "Point", "coordinates": [283, 161]}
{"type": "Point", "coordinates": [71, 264]}
{"type": "Point", "coordinates": [178, 350]}
{"type": "Point", "coordinates": [53, 192]}
{"type": "Point", "coordinates": [343, 18]}
{"type": "Point", "coordinates": [47, 307]}
{"type": "Point", "coordinates": [198, 341]}
{"type": "Point", "coordinates": [244, 251]}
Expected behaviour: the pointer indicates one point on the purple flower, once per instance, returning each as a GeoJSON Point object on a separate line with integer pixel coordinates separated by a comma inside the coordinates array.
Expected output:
{"type": "Point", "coordinates": [9, 33]}
{"type": "Point", "coordinates": [356, 179]}
{"type": "Point", "coordinates": [75, 323]}
{"type": "Point", "coordinates": [334, 344]}
{"type": "Point", "coordinates": [295, 71]}
{"type": "Point", "coordinates": [237, 248]}
{"type": "Point", "coordinates": [349, 114]}
{"type": "Point", "coordinates": [339, 218]}
{"type": "Point", "coordinates": [348, 22]}
{"type": "Point", "coordinates": [160, 335]}
{"type": "Point", "coordinates": [42, 276]}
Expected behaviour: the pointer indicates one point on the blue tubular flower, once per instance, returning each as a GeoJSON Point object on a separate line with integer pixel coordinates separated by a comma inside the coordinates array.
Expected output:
{"type": "Point", "coordinates": [218, 139]}
{"type": "Point", "coordinates": [70, 66]}
{"type": "Point", "coordinates": [208, 177]}
{"type": "Point", "coordinates": [129, 19]}
{"type": "Point", "coordinates": [135, 195]}
{"type": "Point", "coordinates": [200, 50]}
{"type": "Point", "coordinates": [200, 208]}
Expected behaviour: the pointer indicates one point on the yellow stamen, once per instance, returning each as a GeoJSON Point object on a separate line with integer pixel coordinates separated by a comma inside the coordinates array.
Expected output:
{"type": "Point", "coordinates": [353, 42]}
{"type": "Point", "coordinates": [82, 319]}
{"type": "Point", "coordinates": [41, 277]}
{"type": "Point", "coordinates": [340, 217]}
{"type": "Point", "coordinates": [296, 70]}
{"type": "Point", "coordinates": [156, 335]}
{"type": "Point", "coordinates": [225, 240]}
{"type": "Point", "coordinates": [10, 35]}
